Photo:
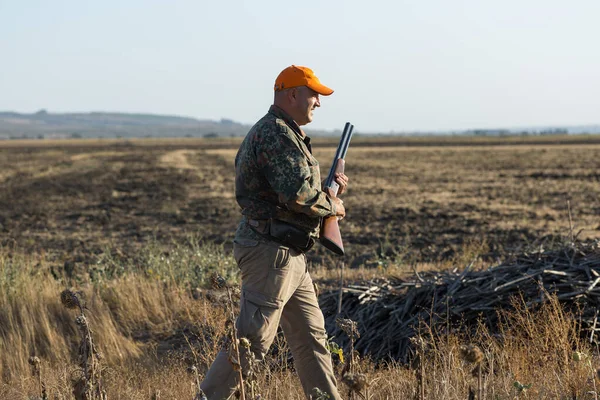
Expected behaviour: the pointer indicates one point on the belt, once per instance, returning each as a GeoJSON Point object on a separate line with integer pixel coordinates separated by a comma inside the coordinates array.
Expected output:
{"type": "Point", "coordinates": [282, 232]}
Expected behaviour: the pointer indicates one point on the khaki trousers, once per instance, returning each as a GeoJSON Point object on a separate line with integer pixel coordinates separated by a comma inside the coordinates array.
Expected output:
{"type": "Point", "coordinates": [276, 290]}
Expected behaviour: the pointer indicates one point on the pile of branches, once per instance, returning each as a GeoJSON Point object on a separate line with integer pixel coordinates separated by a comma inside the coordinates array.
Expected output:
{"type": "Point", "coordinates": [389, 311]}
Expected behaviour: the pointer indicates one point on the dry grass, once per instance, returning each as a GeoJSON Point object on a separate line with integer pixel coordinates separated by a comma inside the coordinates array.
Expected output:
{"type": "Point", "coordinates": [150, 331]}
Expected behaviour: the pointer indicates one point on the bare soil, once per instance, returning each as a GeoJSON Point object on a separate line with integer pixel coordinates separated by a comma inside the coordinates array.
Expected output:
{"type": "Point", "coordinates": [73, 200]}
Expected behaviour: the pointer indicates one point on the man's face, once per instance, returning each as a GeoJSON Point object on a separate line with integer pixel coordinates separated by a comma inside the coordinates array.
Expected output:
{"type": "Point", "coordinates": [306, 100]}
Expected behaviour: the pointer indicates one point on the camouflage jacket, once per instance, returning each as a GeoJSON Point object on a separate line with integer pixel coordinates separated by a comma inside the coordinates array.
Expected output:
{"type": "Point", "coordinates": [278, 177]}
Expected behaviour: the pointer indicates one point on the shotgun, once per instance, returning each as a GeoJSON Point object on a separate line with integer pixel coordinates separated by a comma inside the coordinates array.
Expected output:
{"type": "Point", "coordinates": [330, 236]}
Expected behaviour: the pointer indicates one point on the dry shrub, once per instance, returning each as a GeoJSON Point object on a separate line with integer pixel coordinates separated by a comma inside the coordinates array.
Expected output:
{"type": "Point", "coordinates": [539, 348]}
{"type": "Point", "coordinates": [133, 315]}
{"type": "Point", "coordinates": [539, 352]}
{"type": "Point", "coordinates": [33, 321]}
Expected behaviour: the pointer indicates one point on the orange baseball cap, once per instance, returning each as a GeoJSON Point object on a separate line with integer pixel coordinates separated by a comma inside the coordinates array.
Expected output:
{"type": "Point", "coordinates": [294, 76]}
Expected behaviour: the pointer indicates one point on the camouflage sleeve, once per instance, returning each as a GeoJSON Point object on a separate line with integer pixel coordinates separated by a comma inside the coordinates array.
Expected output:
{"type": "Point", "coordinates": [288, 172]}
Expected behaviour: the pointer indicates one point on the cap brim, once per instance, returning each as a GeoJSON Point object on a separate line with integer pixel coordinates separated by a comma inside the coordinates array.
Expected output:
{"type": "Point", "coordinates": [321, 89]}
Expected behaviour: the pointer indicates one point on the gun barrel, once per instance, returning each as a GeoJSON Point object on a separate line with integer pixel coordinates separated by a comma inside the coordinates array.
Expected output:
{"type": "Point", "coordinates": [341, 151]}
{"type": "Point", "coordinates": [342, 139]}
{"type": "Point", "coordinates": [347, 144]}
{"type": "Point", "coordinates": [330, 236]}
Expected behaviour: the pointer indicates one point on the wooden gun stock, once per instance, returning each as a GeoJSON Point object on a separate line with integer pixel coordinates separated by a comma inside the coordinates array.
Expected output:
{"type": "Point", "coordinates": [331, 236]}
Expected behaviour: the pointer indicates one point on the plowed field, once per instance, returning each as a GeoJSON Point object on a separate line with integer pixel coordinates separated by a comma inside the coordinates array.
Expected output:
{"type": "Point", "coordinates": [417, 201]}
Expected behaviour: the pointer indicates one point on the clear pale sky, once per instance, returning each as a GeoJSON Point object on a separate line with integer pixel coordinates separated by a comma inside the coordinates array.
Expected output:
{"type": "Point", "coordinates": [394, 65]}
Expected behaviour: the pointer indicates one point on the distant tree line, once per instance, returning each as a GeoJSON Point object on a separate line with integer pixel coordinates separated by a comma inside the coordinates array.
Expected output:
{"type": "Point", "coordinates": [507, 132]}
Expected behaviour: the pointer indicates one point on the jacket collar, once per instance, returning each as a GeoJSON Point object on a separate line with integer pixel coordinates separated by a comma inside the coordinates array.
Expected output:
{"type": "Point", "coordinates": [279, 113]}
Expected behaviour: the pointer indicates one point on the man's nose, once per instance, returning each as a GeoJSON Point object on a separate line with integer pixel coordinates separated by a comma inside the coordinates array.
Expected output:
{"type": "Point", "coordinates": [318, 102]}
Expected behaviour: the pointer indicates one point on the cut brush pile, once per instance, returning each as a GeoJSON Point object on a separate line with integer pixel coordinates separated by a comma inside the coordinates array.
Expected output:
{"type": "Point", "coordinates": [390, 310]}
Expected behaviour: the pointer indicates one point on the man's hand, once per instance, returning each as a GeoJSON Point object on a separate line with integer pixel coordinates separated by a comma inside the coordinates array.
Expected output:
{"type": "Point", "coordinates": [341, 180]}
{"type": "Point", "coordinates": [338, 204]}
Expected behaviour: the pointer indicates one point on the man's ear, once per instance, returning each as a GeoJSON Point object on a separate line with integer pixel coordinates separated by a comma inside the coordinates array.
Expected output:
{"type": "Point", "coordinates": [292, 94]}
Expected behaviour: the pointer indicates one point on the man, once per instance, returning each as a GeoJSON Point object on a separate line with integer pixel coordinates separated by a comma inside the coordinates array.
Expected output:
{"type": "Point", "coordinates": [278, 187]}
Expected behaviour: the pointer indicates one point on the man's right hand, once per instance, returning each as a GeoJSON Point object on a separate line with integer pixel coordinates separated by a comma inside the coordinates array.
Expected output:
{"type": "Point", "coordinates": [338, 204]}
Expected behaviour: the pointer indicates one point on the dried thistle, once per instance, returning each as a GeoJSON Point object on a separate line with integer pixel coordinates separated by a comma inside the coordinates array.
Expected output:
{"type": "Point", "coordinates": [418, 342]}
{"type": "Point", "coordinates": [192, 369]}
{"type": "Point", "coordinates": [35, 363]}
{"type": "Point", "coordinates": [472, 354]}
{"type": "Point", "coordinates": [349, 327]}
{"type": "Point", "coordinates": [199, 393]}
{"type": "Point", "coordinates": [356, 382]}
{"type": "Point", "coordinates": [88, 386]}
{"type": "Point", "coordinates": [70, 299]}
{"type": "Point", "coordinates": [419, 363]}
{"type": "Point", "coordinates": [36, 371]}
{"type": "Point", "coordinates": [218, 281]}
{"type": "Point", "coordinates": [232, 341]}
{"type": "Point", "coordinates": [250, 368]}
{"type": "Point", "coordinates": [245, 343]}
{"type": "Point", "coordinates": [200, 396]}
{"type": "Point", "coordinates": [319, 394]}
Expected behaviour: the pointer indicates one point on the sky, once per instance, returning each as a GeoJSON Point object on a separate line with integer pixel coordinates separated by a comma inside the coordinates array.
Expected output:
{"type": "Point", "coordinates": [401, 66]}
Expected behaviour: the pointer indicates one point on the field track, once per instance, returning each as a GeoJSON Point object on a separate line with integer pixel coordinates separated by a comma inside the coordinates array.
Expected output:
{"type": "Point", "coordinates": [420, 203]}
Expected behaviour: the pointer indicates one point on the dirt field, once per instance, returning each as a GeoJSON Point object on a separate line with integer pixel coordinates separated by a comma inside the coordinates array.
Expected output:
{"type": "Point", "coordinates": [413, 202]}
{"type": "Point", "coordinates": [89, 215]}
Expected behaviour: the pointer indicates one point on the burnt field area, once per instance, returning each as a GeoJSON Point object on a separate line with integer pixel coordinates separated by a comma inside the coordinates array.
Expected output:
{"type": "Point", "coordinates": [407, 202]}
